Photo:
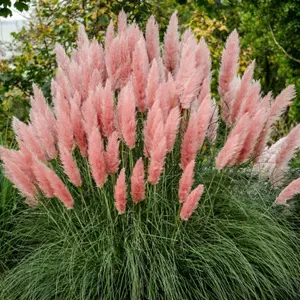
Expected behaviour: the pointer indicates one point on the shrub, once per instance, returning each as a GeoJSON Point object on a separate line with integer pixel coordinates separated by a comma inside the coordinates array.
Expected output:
{"type": "Point", "coordinates": [129, 150]}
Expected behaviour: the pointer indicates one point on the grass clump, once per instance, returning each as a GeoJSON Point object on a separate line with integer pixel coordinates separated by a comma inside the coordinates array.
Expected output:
{"type": "Point", "coordinates": [234, 247]}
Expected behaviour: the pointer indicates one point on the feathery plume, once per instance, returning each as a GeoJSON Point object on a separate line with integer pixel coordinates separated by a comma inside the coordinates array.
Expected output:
{"type": "Point", "coordinates": [255, 128]}
{"type": "Point", "coordinates": [112, 160]}
{"type": "Point", "coordinates": [138, 181]}
{"type": "Point", "coordinates": [82, 38]}
{"type": "Point", "coordinates": [128, 121]}
{"type": "Point", "coordinates": [96, 157]}
{"type": "Point", "coordinates": [230, 62]}
{"type": "Point", "coordinates": [171, 45]}
{"type": "Point", "coordinates": [285, 153]}
{"type": "Point", "coordinates": [120, 193]}
{"type": "Point", "coordinates": [186, 181]}
{"type": "Point", "coordinates": [203, 60]}
{"type": "Point", "coordinates": [157, 155]}
{"type": "Point", "coordinates": [140, 68]}
{"type": "Point", "coordinates": [152, 84]}
{"type": "Point", "coordinates": [109, 36]}
{"type": "Point", "coordinates": [212, 129]}
{"type": "Point", "coordinates": [235, 141]}
{"type": "Point", "coordinates": [289, 192]}
{"type": "Point", "coordinates": [77, 125]}
{"type": "Point", "coordinates": [122, 22]}
{"type": "Point", "coordinates": [26, 135]}
{"type": "Point", "coordinates": [154, 118]}
{"type": "Point", "coordinates": [171, 127]}
{"type": "Point", "coordinates": [70, 167]}
{"type": "Point", "coordinates": [19, 179]}
{"type": "Point", "coordinates": [191, 202]}
{"type": "Point", "coordinates": [242, 92]}
{"type": "Point", "coordinates": [152, 39]}
{"type": "Point", "coordinates": [62, 58]}
{"type": "Point", "coordinates": [189, 143]}
{"type": "Point", "coordinates": [89, 113]}
{"type": "Point", "coordinates": [107, 111]}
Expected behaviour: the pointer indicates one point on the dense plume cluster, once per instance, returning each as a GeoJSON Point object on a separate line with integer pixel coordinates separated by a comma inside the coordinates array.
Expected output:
{"type": "Point", "coordinates": [132, 96]}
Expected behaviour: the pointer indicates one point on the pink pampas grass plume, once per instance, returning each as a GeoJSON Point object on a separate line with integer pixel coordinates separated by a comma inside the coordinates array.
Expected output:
{"type": "Point", "coordinates": [112, 160]}
{"type": "Point", "coordinates": [140, 68]}
{"type": "Point", "coordinates": [77, 125]}
{"type": "Point", "coordinates": [138, 182]}
{"type": "Point", "coordinates": [228, 100]}
{"type": "Point", "coordinates": [107, 111]}
{"type": "Point", "coordinates": [39, 107]}
{"type": "Point", "coordinates": [152, 84]}
{"type": "Point", "coordinates": [89, 114]}
{"type": "Point", "coordinates": [289, 192]}
{"type": "Point", "coordinates": [235, 141]}
{"type": "Point", "coordinates": [205, 90]}
{"type": "Point", "coordinates": [96, 157]}
{"type": "Point", "coordinates": [70, 167]}
{"type": "Point", "coordinates": [157, 155]}
{"type": "Point", "coordinates": [171, 127]}
{"type": "Point", "coordinates": [154, 118]}
{"type": "Point", "coordinates": [120, 193]}
{"type": "Point", "coordinates": [152, 39]}
{"type": "Point", "coordinates": [42, 179]}
{"type": "Point", "coordinates": [171, 45]}
{"type": "Point", "coordinates": [242, 93]}
{"type": "Point", "coordinates": [186, 182]}
{"type": "Point", "coordinates": [279, 105]}
{"type": "Point", "coordinates": [109, 36]}
{"type": "Point", "coordinates": [59, 188]}
{"type": "Point", "coordinates": [281, 102]}
{"type": "Point", "coordinates": [46, 139]}
{"type": "Point", "coordinates": [204, 116]}
{"type": "Point", "coordinates": [203, 60]}
{"type": "Point", "coordinates": [189, 143]}
{"type": "Point", "coordinates": [128, 121]}
{"type": "Point", "coordinates": [19, 179]}
{"type": "Point", "coordinates": [257, 124]}
{"type": "Point", "coordinates": [62, 58]}
{"type": "Point", "coordinates": [286, 152]}
{"type": "Point", "coordinates": [82, 38]}
{"type": "Point", "coordinates": [122, 22]}
{"type": "Point", "coordinates": [230, 62]}
{"type": "Point", "coordinates": [191, 202]}
{"type": "Point", "coordinates": [212, 129]}
{"type": "Point", "coordinates": [26, 135]}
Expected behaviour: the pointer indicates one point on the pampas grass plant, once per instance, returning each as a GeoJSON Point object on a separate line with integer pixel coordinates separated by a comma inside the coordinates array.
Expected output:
{"type": "Point", "coordinates": [131, 192]}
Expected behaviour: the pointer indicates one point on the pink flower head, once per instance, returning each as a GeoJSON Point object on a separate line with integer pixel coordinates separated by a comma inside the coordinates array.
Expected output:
{"type": "Point", "coordinates": [96, 157]}
{"type": "Point", "coordinates": [157, 155]}
{"type": "Point", "coordinates": [109, 36]}
{"type": "Point", "coordinates": [152, 39]}
{"type": "Point", "coordinates": [289, 192]}
{"type": "Point", "coordinates": [171, 127]}
{"type": "Point", "coordinates": [107, 116]}
{"type": "Point", "coordinates": [186, 182]}
{"type": "Point", "coordinates": [203, 60]}
{"type": "Point", "coordinates": [191, 202]}
{"type": "Point", "coordinates": [138, 182]}
{"type": "Point", "coordinates": [112, 159]}
{"type": "Point", "coordinates": [127, 113]}
{"type": "Point", "coordinates": [152, 84]}
{"type": "Point", "coordinates": [122, 22]}
{"type": "Point", "coordinates": [171, 45]}
{"type": "Point", "coordinates": [120, 193]}
{"type": "Point", "coordinates": [19, 178]}
{"type": "Point", "coordinates": [189, 145]}
{"type": "Point", "coordinates": [70, 167]}
{"type": "Point", "coordinates": [230, 62]}
{"type": "Point", "coordinates": [77, 125]}
{"type": "Point", "coordinates": [140, 68]}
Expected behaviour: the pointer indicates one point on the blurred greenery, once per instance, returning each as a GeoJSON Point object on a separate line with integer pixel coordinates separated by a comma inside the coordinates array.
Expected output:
{"type": "Point", "coordinates": [269, 31]}
{"type": "Point", "coordinates": [6, 5]}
